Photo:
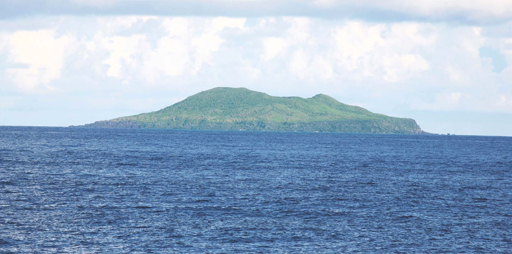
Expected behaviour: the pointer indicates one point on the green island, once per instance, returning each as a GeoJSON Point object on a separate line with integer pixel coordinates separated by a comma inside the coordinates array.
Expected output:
{"type": "Point", "coordinates": [241, 109]}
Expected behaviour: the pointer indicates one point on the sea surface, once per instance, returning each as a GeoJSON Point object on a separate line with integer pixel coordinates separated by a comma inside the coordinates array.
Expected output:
{"type": "Point", "coordinates": [78, 190]}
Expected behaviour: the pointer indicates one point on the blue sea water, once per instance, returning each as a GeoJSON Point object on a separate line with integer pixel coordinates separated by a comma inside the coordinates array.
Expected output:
{"type": "Point", "coordinates": [128, 190]}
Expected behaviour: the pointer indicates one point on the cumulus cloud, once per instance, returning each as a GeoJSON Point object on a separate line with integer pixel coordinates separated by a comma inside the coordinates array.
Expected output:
{"type": "Point", "coordinates": [272, 47]}
{"type": "Point", "coordinates": [40, 55]}
{"type": "Point", "coordinates": [355, 40]}
{"type": "Point", "coordinates": [170, 58]}
{"type": "Point", "coordinates": [381, 51]}
{"type": "Point", "coordinates": [180, 47]}
{"type": "Point", "coordinates": [210, 41]}
{"type": "Point", "coordinates": [122, 50]}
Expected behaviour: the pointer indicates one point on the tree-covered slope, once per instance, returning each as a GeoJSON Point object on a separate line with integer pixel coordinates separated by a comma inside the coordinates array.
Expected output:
{"type": "Point", "coordinates": [243, 109]}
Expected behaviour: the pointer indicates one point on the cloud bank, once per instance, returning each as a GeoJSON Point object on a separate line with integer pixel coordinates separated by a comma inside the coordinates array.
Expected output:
{"type": "Point", "coordinates": [468, 70]}
{"type": "Point", "coordinates": [473, 12]}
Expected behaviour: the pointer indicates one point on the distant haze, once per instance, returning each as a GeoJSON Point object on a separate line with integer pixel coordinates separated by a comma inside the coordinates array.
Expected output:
{"type": "Point", "coordinates": [446, 64]}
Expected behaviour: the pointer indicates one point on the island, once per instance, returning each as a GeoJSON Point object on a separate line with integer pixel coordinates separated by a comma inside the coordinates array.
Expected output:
{"type": "Point", "coordinates": [240, 109]}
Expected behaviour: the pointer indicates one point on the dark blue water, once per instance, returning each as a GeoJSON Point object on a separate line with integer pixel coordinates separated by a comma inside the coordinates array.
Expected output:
{"type": "Point", "coordinates": [103, 190]}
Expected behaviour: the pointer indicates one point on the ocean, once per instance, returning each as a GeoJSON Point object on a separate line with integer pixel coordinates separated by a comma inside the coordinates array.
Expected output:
{"type": "Point", "coordinates": [80, 190]}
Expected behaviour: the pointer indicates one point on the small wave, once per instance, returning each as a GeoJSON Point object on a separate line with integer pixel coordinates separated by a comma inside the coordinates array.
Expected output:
{"type": "Point", "coordinates": [142, 207]}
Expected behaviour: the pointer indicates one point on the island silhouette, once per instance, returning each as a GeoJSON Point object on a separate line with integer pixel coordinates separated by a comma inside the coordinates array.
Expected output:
{"type": "Point", "coordinates": [241, 109]}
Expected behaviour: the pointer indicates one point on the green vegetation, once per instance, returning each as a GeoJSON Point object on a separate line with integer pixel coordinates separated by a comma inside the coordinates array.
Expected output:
{"type": "Point", "coordinates": [243, 109]}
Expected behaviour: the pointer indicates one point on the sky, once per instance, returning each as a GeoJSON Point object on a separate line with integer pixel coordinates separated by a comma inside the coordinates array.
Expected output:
{"type": "Point", "coordinates": [447, 64]}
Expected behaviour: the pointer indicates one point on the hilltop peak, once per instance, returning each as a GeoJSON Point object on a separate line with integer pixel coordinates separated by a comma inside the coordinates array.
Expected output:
{"type": "Point", "coordinates": [322, 96]}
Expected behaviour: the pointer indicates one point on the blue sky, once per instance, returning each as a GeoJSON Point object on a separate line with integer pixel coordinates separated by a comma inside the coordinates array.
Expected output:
{"type": "Point", "coordinates": [447, 64]}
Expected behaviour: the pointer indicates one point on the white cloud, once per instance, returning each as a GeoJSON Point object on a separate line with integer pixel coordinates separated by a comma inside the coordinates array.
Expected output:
{"type": "Point", "coordinates": [398, 67]}
{"type": "Point", "coordinates": [112, 25]}
{"type": "Point", "coordinates": [4, 41]}
{"type": "Point", "coordinates": [185, 49]}
{"type": "Point", "coordinates": [122, 51]}
{"type": "Point", "coordinates": [41, 52]}
{"type": "Point", "coordinates": [374, 49]}
{"type": "Point", "coordinates": [170, 58]}
{"type": "Point", "coordinates": [251, 72]}
{"type": "Point", "coordinates": [322, 68]}
{"type": "Point", "coordinates": [299, 63]}
{"type": "Point", "coordinates": [299, 30]}
{"type": "Point", "coordinates": [410, 35]}
{"type": "Point", "coordinates": [305, 61]}
{"type": "Point", "coordinates": [355, 41]}
{"type": "Point", "coordinates": [296, 34]}
{"type": "Point", "coordinates": [504, 100]}
{"type": "Point", "coordinates": [187, 44]}
{"type": "Point", "coordinates": [506, 48]}
{"type": "Point", "coordinates": [445, 101]}
{"type": "Point", "coordinates": [272, 47]}
{"type": "Point", "coordinates": [205, 45]}
{"type": "Point", "coordinates": [220, 23]}
{"type": "Point", "coordinates": [454, 98]}
{"type": "Point", "coordinates": [456, 75]}
{"type": "Point", "coordinates": [176, 26]}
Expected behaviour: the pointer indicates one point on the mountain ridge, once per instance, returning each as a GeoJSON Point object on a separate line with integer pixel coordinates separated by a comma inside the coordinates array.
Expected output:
{"type": "Point", "coordinates": [224, 108]}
